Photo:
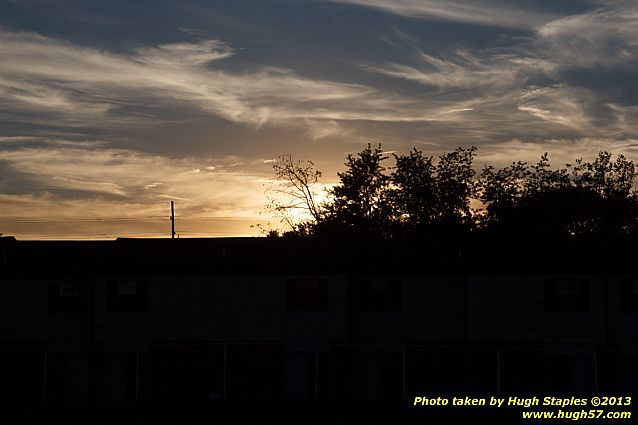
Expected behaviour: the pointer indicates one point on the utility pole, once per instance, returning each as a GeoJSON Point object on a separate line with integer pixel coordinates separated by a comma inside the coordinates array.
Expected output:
{"type": "Point", "coordinates": [172, 220]}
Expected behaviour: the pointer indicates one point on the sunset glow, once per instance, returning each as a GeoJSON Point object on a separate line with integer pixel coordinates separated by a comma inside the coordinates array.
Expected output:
{"type": "Point", "coordinates": [109, 112]}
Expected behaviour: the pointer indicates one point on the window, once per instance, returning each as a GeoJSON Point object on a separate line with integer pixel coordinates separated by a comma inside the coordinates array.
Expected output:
{"type": "Point", "coordinates": [68, 297]}
{"type": "Point", "coordinates": [522, 371]}
{"type": "Point", "coordinates": [567, 295]}
{"type": "Point", "coordinates": [629, 295]}
{"type": "Point", "coordinates": [187, 373]}
{"type": "Point", "coordinates": [380, 375]}
{"type": "Point", "coordinates": [569, 372]}
{"type": "Point", "coordinates": [126, 295]}
{"type": "Point", "coordinates": [21, 371]}
{"type": "Point", "coordinates": [380, 295]}
{"type": "Point", "coordinates": [451, 370]}
{"type": "Point", "coordinates": [307, 295]}
{"type": "Point", "coordinates": [609, 370]}
{"type": "Point", "coordinates": [74, 376]}
{"type": "Point", "coordinates": [255, 372]}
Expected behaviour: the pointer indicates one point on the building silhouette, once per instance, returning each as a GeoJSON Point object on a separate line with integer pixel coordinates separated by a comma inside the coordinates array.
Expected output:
{"type": "Point", "coordinates": [282, 319]}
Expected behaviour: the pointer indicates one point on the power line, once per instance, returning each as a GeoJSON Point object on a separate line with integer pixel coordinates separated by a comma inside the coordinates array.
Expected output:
{"type": "Point", "coordinates": [195, 232]}
{"type": "Point", "coordinates": [73, 220]}
{"type": "Point", "coordinates": [141, 219]}
{"type": "Point", "coordinates": [111, 236]}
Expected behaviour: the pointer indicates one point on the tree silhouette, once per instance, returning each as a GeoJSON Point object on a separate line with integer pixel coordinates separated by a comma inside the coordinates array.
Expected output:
{"type": "Point", "coordinates": [419, 197]}
{"type": "Point", "coordinates": [456, 186]}
{"type": "Point", "coordinates": [415, 194]}
{"type": "Point", "coordinates": [427, 195]}
{"type": "Point", "coordinates": [293, 196]}
{"type": "Point", "coordinates": [594, 198]}
{"type": "Point", "coordinates": [361, 203]}
{"type": "Point", "coordinates": [501, 191]}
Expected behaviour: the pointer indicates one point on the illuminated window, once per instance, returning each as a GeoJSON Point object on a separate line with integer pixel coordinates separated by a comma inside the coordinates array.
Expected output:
{"type": "Point", "coordinates": [567, 295]}
{"type": "Point", "coordinates": [306, 295]}
{"type": "Point", "coordinates": [126, 295]}
{"type": "Point", "coordinates": [380, 295]}
{"type": "Point", "coordinates": [68, 297]}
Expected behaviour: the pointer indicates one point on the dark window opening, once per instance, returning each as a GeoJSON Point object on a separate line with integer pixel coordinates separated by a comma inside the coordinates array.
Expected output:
{"type": "Point", "coordinates": [380, 295]}
{"type": "Point", "coordinates": [185, 373]}
{"type": "Point", "coordinates": [307, 295]}
{"type": "Point", "coordinates": [609, 371]}
{"type": "Point", "coordinates": [451, 370]}
{"type": "Point", "coordinates": [569, 373]}
{"type": "Point", "coordinates": [301, 372]}
{"type": "Point", "coordinates": [74, 376]}
{"type": "Point", "coordinates": [256, 372]}
{"type": "Point", "coordinates": [123, 375]}
{"type": "Point", "coordinates": [68, 297]}
{"type": "Point", "coordinates": [629, 295]}
{"type": "Point", "coordinates": [522, 371]}
{"type": "Point", "coordinates": [567, 295]}
{"type": "Point", "coordinates": [22, 373]}
{"type": "Point", "coordinates": [380, 375]}
{"type": "Point", "coordinates": [344, 373]}
{"type": "Point", "coordinates": [629, 373]}
{"type": "Point", "coordinates": [126, 295]}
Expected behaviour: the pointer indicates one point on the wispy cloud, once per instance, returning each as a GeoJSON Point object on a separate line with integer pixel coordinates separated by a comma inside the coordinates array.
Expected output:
{"type": "Point", "coordinates": [560, 105]}
{"type": "Point", "coordinates": [77, 83]}
{"type": "Point", "coordinates": [538, 95]}
{"type": "Point", "coordinates": [129, 174]}
{"type": "Point", "coordinates": [493, 13]}
{"type": "Point", "coordinates": [561, 151]}
{"type": "Point", "coordinates": [606, 36]}
{"type": "Point", "coordinates": [463, 69]}
{"type": "Point", "coordinates": [185, 54]}
{"type": "Point", "coordinates": [80, 122]}
{"type": "Point", "coordinates": [586, 112]}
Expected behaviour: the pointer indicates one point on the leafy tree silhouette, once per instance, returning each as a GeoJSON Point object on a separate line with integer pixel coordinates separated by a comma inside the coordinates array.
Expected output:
{"type": "Point", "coordinates": [428, 195]}
{"type": "Point", "coordinates": [361, 204]}
{"type": "Point", "coordinates": [422, 197]}
{"type": "Point", "coordinates": [456, 186]}
{"type": "Point", "coordinates": [415, 196]}
{"type": "Point", "coordinates": [594, 198]}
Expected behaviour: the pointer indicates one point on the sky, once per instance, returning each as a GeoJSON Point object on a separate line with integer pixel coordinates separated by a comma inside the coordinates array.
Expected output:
{"type": "Point", "coordinates": [109, 110]}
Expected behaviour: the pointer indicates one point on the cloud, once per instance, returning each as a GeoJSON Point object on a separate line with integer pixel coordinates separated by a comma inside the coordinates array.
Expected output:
{"type": "Point", "coordinates": [603, 38]}
{"type": "Point", "coordinates": [124, 175]}
{"type": "Point", "coordinates": [40, 98]}
{"type": "Point", "coordinates": [558, 104]}
{"type": "Point", "coordinates": [492, 13]}
{"type": "Point", "coordinates": [606, 36]}
{"type": "Point", "coordinates": [536, 78]}
{"type": "Point", "coordinates": [587, 112]}
{"type": "Point", "coordinates": [107, 219]}
{"type": "Point", "coordinates": [464, 69]}
{"type": "Point", "coordinates": [185, 54]}
{"type": "Point", "coordinates": [561, 151]}
{"type": "Point", "coordinates": [326, 129]}
{"type": "Point", "coordinates": [67, 106]}
{"type": "Point", "coordinates": [54, 79]}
